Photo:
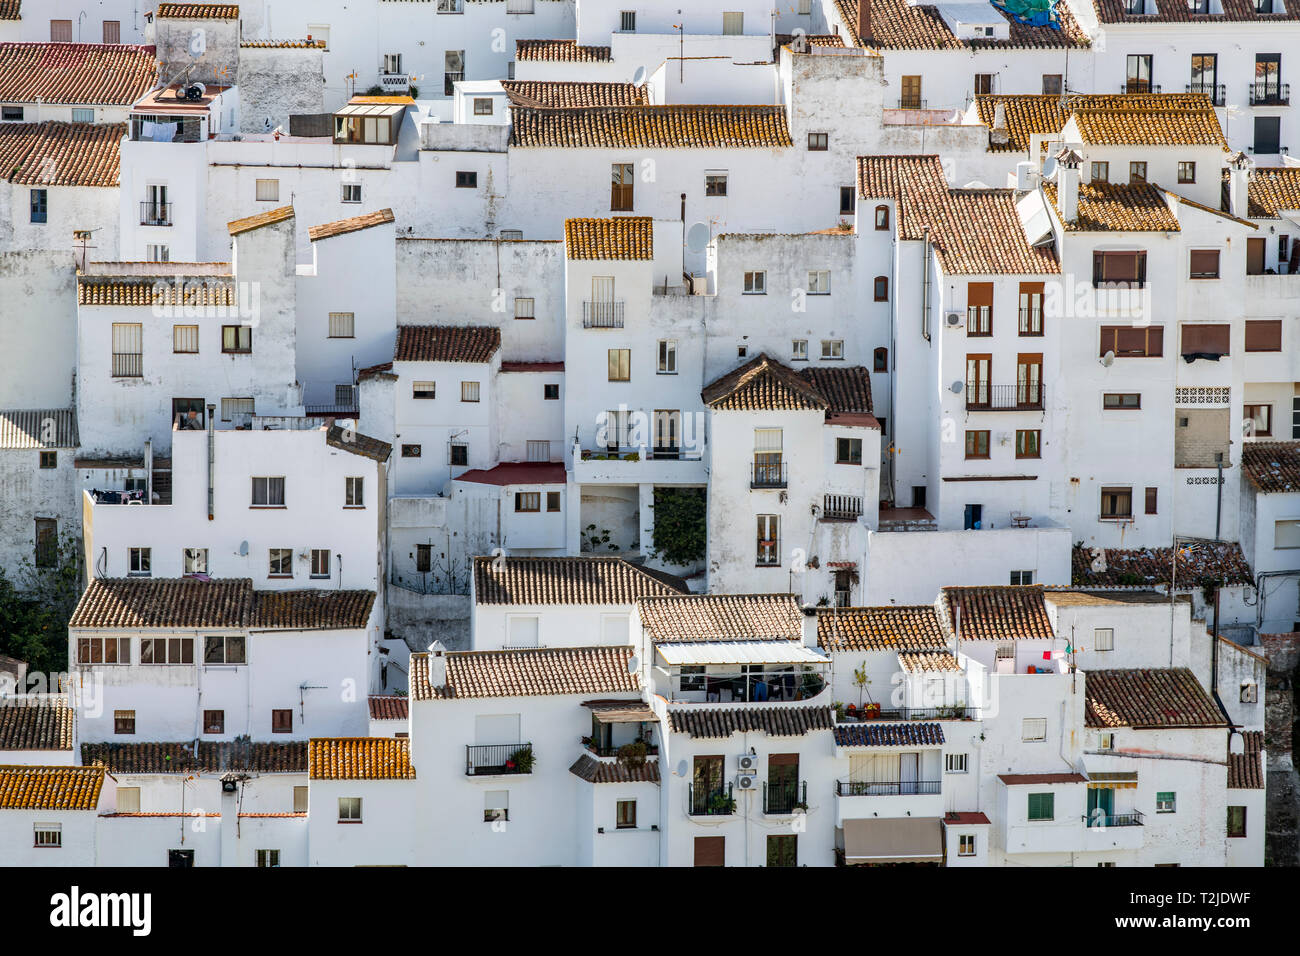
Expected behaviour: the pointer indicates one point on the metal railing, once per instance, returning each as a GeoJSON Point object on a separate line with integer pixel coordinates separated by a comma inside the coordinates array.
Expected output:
{"type": "Point", "coordinates": [602, 314]}
{"type": "Point", "coordinates": [886, 788]}
{"type": "Point", "coordinates": [951, 712]}
{"type": "Point", "coordinates": [155, 214]}
{"type": "Point", "coordinates": [487, 759]}
{"type": "Point", "coordinates": [784, 797]}
{"type": "Point", "coordinates": [1100, 821]}
{"type": "Point", "coordinates": [128, 364]}
{"type": "Point", "coordinates": [768, 474]}
{"type": "Point", "coordinates": [841, 506]}
{"type": "Point", "coordinates": [1217, 92]}
{"type": "Point", "coordinates": [911, 103]}
{"type": "Point", "coordinates": [1139, 86]}
{"type": "Point", "coordinates": [651, 750]}
{"type": "Point", "coordinates": [981, 396]}
{"type": "Point", "coordinates": [710, 801]}
{"type": "Point", "coordinates": [1269, 93]}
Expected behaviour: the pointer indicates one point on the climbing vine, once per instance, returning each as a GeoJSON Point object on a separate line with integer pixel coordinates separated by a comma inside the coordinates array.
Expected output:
{"type": "Point", "coordinates": [679, 533]}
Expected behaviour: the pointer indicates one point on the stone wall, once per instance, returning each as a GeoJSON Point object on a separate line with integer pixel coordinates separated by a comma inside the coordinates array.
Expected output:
{"type": "Point", "coordinates": [1282, 846]}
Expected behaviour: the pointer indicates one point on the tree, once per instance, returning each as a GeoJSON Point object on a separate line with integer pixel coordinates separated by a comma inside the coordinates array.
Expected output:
{"type": "Point", "coordinates": [35, 607]}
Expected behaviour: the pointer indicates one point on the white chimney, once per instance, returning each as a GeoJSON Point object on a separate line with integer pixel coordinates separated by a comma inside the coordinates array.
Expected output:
{"type": "Point", "coordinates": [1239, 185]}
{"type": "Point", "coordinates": [437, 665]}
{"type": "Point", "coordinates": [810, 619]}
{"type": "Point", "coordinates": [1067, 183]}
{"type": "Point", "coordinates": [998, 133]}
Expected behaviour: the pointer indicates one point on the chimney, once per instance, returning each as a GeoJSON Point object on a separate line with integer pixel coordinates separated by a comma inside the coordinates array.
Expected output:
{"type": "Point", "coordinates": [437, 665]}
{"type": "Point", "coordinates": [1067, 183]}
{"type": "Point", "coordinates": [999, 134]}
{"type": "Point", "coordinates": [810, 619]}
{"type": "Point", "coordinates": [1238, 185]}
{"type": "Point", "coordinates": [864, 22]}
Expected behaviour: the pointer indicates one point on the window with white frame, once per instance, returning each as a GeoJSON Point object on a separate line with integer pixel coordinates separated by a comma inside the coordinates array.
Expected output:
{"type": "Point", "coordinates": [268, 190]}
{"type": "Point", "coordinates": [320, 562]}
{"type": "Point", "coordinates": [755, 283]}
{"type": "Point", "coordinates": [966, 844]}
{"type": "Point", "coordinates": [1022, 577]}
{"type": "Point", "coordinates": [819, 282]}
{"type": "Point", "coordinates": [268, 492]}
{"type": "Point", "coordinates": [166, 650]}
{"type": "Point", "coordinates": [667, 356]}
{"type": "Point", "coordinates": [195, 560]}
{"type": "Point", "coordinates": [393, 62]}
{"type": "Point", "coordinates": [139, 561]}
{"type": "Point", "coordinates": [352, 192]}
{"type": "Point", "coordinates": [48, 836]}
{"type": "Point", "coordinates": [799, 350]}
{"type": "Point", "coordinates": [1033, 729]}
{"type": "Point", "coordinates": [280, 562]}
{"type": "Point", "coordinates": [185, 339]}
{"type": "Point", "coordinates": [954, 763]}
{"type": "Point", "coordinates": [157, 252]}
{"type": "Point", "coordinates": [268, 857]}
{"type": "Point", "coordinates": [1103, 639]}
{"type": "Point", "coordinates": [525, 308]}
{"type": "Point", "coordinates": [832, 348]}
{"type": "Point", "coordinates": [349, 809]}
{"type": "Point", "coordinates": [343, 325]}
{"type": "Point", "coordinates": [354, 492]}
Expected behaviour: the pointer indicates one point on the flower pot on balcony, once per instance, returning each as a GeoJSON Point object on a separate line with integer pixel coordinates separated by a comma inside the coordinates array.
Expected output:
{"type": "Point", "coordinates": [870, 711]}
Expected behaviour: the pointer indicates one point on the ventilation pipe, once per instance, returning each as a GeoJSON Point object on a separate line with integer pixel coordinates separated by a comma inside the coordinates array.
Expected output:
{"type": "Point", "coordinates": [212, 457]}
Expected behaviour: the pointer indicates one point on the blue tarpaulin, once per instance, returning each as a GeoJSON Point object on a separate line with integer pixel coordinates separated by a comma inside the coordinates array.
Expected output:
{"type": "Point", "coordinates": [1034, 13]}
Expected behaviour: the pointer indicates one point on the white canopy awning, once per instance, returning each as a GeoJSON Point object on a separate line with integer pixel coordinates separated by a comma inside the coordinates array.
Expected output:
{"type": "Point", "coordinates": [905, 840]}
{"type": "Point", "coordinates": [739, 652]}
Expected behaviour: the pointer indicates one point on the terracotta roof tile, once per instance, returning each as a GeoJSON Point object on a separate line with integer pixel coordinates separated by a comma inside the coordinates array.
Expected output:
{"type": "Point", "coordinates": [32, 723]}
{"type": "Point", "coordinates": [76, 73]}
{"type": "Point", "coordinates": [566, 51]}
{"type": "Point", "coordinates": [1246, 770]}
{"type": "Point", "coordinates": [282, 44]}
{"type": "Point", "coordinates": [1114, 126]}
{"type": "Point", "coordinates": [622, 237]}
{"type": "Point", "coordinates": [446, 343]}
{"type": "Point", "coordinates": [538, 672]}
{"type": "Point", "coordinates": [763, 384]}
{"type": "Point", "coordinates": [881, 734]}
{"type": "Point", "coordinates": [389, 707]}
{"type": "Point", "coordinates": [800, 42]}
{"type": "Point", "coordinates": [1028, 113]}
{"type": "Point", "coordinates": [353, 224]}
{"type": "Point", "coordinates": [198, 11]}
{"type": "Point", "coordinates": [847, 388]}
{"type": "Point", "coordinates": [60, 154]}
{"type": "Point", "coordinates": [517, 473]}
{"type": "Point", "coordinates": [1177, 11]}
{"type": "Point", "coordinates": [268, 218]}
{"type": "Point", "coordinates": [918, 662]}
{"type": "Point", "coordinates": [773, 720]}
{"type": "Point", "coordinates": [722, 617]}
{"type": "Point", "coordinates": [360, 758]}
{"type": "Point", "coordinates": [575, 580]}
{"type": "Point", "coordinates": [1272, 189]}
{"type": "Point", "coordinates": [205, 756]}
{"type": "Point", "coordinates": [11, 9]}
{"type": "Point", "coordinates": [899, 25]}
{"type": "Point", "coordinates": [546, 95]}
{"type": "Point", "coordinates": [651, 127]}
{"type": "Point", "coordinates": [1148, 699]}
{"type": "Point", "coordinates": [911, 627]}
{"type": "Point", "coordinates": [228, 603]}
{"type": "Point", "coordinates": [1272, 466]}
{"type": "Point", "coordinates": [29, 428]}
{"type": "Point", "coordinates": [1146, 567]}
{"type": "Point", "coordinates": [215, 291]}
{"type": "Point", "coordinates": [1118, 207]}
{"type": "Point", "coordinates": [351, 440]}
{"type": "Point", "coordinates": [600, 771]}
{"type": "Point", "coordinates": [50, 788]}
{"type": "Point", "coordinates": [314, 609]}
{"type": "Point", "coordinates": [998, 613]}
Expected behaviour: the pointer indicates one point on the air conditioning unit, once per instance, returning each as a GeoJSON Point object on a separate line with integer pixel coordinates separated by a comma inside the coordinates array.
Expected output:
{"type": "Point", "coordinates": [953, 320]}
{"type": "Point", "coordinates": [747, 763]}
{"type": "Point", "coordinates": [747, 781]}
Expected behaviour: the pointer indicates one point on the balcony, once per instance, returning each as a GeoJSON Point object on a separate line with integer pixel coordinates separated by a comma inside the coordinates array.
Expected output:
{"type": "Point", "coordinates": [785, 798]}
{"type": "Point", "coordinates": [128, 364]}
{"type": "Point", "coordinates": [1270, 93]}
{"type": "Point", "coordinates": [911, 103]}
{"type": "Point", "coordinates": [710, 801]}
{"type": "Point", "coordinates": [629, 464]}
{"type": "Point", "coordinates": [484, 760]}
{"type": "Point", "coordinates": [1217, 92]}
{"type": "Point", "coordinates": [983, 397]}
{"type": "Point", "coordinates": [951, 712]}
{"type": "Point", "coordinates": [768, 474]}
{"type": "Point", "coordinates": [155, 214]}
{"type": "Point", "coordinates": [602, 314]}
{"type": "Point", "coordinates": [859, 800]}
{"type": "Point", "coordinates": [841, 507]}
{"type": "Point", "coordinates": [394, 83]}
{"type": "Point", "coordinates": [886, 788]}
{"type": "Point", "coordinates": [1124, 831]}
{"type": "Point", "coordinates": [1134, 819]}
{"type": "Point", "coordinates": [1139, 86]}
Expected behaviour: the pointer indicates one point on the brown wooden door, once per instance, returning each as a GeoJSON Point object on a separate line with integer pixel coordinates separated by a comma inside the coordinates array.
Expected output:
{"type": "Point", "coordinates": [911, 93]}
{"type": "Point", "coordinates": [1254, 257]}
{"type": "Point", "coordinates": [711, 851]}
{"type": "Point", "coordinates": [978, 374]}
{"type": "Point", "coordinates": [1029, 380]}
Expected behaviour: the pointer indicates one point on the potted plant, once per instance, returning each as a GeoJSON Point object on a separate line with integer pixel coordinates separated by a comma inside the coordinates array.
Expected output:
{"type": "Point", "coordinates": [861, 679]}
{"type": "Point", "coordinates": [632, 756]}
{"type": "Point", "coordinates": [721, 803]}
{"type": "Point", "coordinates": [839, 711]}
{"type": "Point", "coordinates": [521, 761]}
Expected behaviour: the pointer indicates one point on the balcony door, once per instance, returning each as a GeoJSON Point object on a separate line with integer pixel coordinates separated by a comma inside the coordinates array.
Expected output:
{"type": "Point", "coordinates": [707, 775]}
{"type": "Point", "coordinates": [909, 772]}
{"type": "Point", "coordinates": [668, 431]}
{"type": "Point", "coordinates": [1138, 76]}
{"type": "Point", "coordinates": [979, 369]}
{"type": "Point", "coordinates": [1268, 76]}
{"type": "Point", "coordinates": [911, 93]}
{"type": "Point", "coordinates": [1029, 379]}
{"type": "Point", "coordinates": [1101, 805]}
{"type": "Point", "coordinates": [1255, 257]}
{"type": "Point", "coordinates": [620, 187]}
{"type": "Point", "coordinates": [1205, 73]}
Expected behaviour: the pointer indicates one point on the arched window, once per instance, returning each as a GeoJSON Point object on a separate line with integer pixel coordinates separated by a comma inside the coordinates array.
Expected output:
{"type": "Point", "coordinates": [880, 361]}
{"type": "Point", "coordinates": [882, 217]}
{"type": "Point", "coordinates": [882, 288]}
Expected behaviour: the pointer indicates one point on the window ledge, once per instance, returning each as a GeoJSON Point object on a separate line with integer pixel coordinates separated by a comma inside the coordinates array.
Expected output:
{"type": "Point", "coordinates": [267, 507]}
{"type": "Point", "coordinates": [279, 577]}
{"type": "Point", "coordinates": [354, 507]}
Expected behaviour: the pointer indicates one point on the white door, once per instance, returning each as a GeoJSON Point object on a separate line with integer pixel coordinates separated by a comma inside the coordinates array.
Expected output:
{"type": "Point", "coordinates": [908, 768]}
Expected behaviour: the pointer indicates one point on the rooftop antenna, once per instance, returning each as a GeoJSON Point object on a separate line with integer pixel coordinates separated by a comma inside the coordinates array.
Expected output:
{"type": "Point", "coordinates": [83, 236]}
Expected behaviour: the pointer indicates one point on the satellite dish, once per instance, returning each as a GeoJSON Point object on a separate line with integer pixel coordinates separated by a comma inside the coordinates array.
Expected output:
{"type": "Point", "coordinates": [1108, 359]}
{"type": "Point", "coordinates": [639, 76]}
{"type": "Point", "coordinates": [681, 769]}
{"type": "Point", "coordinates": [957, 386]}
{"type": "Point", "coordinates": [1236, 743]}
{"type": "Point", "coordinates": [243, 549]}
{"type": "Point", "coordinates": [697, 237]}
{"type": "Point", "coordinates": [633, 665]}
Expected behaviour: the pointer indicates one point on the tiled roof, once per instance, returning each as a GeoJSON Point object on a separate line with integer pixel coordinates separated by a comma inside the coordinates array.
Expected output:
{"type": "Point", "coordinates": [566, 51]}
{"type": "Point", "coordinates": [353, 224]}
{"type": "Point", "coordinates": [575, 580]}
{"type": "Point", "coordinates": [799, 42]}
{"type": "Point", "coordinates": [538, 672]}
{"type": "Point", "coordinates": [205, 756]}
{"type": "Point", "coordinates": [722, 617]}
{"type": "Point", "coordinates": [1030, 113]}
{"type": "Point", "coordinates": [846, 388]}
{"type": "Point", "coordinates": [28, 428]}
{"type": "Point", "coordinates": [360, 758]}
{"type": "Point", "coordinates": [998, 612]}
{"type": "Point", "coordinates": [60, 154]}
{"type": "Point", "coordinates": [389, 707]}
{"type": "Point", "coordinates": [966, 818]}
{"type": "Point", "coordinates": [351, 440]}
{"type": "Point", "coordinates": [1150, 127]}
{"type": "Point", "coordinates": [1246, 769]}
{"type": "Point", "coordinates": [1118, 207]}
{"type": "Point", "coordinates": [1177, 11]}
{"type": "Point", "coordinates": [1272, 189]}
{"type": "Point", "coordinates": [157, 290]}
{"type": "Point", "coordinates": [1149, 699]}
{"type": "Point", "coordinates": [763, 384]}
{"type": "Point", "coordinates": [228, 603]}
{"type": "Point", "coordinates": [917, 662]}
{"type": "Point", "coordinates": [975, 231]}
{"type": "Point", "coordinates": [282, 44]}
{"type": "Point", "coordinates": [11, 9]}
{"type": "Point", "coordinates": [879, 628]}
{"type": "Point", "coordinates": [28, 723]}
{"type": "Point", "coordinates": [1272, 466]}
{"type": "Point", "coordinates": [198, 11]}
{"type": "Point", "coordinates": [773, 720]}
{"type": "Point", "coordinates": [75, 73]}
{"type": "Point", "coordinates": [268, 218]}
{"type": "Point", "coordinates": [622, 237]}
{"type": "Point", "coordinates": [539, 94]}
{"type": "Point", "coordinates": [1145, 567]}
{"type": "Point", "coordinates": [50, 788]}
{"type": "Point", "coordinates": [879, 734]}
{"type": "Point", "coordinates": [446, 343]}
{"type": "Point", "coordinates": [899, 25]}
{"type": "Point", "coordinates": [651, 127]}
{"type": "Point", "coordinates": [517, 473]}
{"type": "Point", "coordinates": [601, 771]}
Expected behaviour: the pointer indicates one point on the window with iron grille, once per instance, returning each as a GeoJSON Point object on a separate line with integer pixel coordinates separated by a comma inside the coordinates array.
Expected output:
{"type": "Point", "coordinates": [458, 454]}
{"type": "Point", "coordinates": [128, 350]}
{"type": "Point", "coordinates": [453, 70]}
{"type": "Point", "coordinates": [627, 21]}
{"type": "Point", "coordinates": [1033, 729]}
{"type": "Point", "coordinates": [343, 325]}
{"type": "Point", "coordinates": [214, 721]}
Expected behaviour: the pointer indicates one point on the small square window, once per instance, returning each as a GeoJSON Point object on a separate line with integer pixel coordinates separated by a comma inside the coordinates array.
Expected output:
{"type": "Point", "coordinates": [1187, 172]}
{"type": "Point", "coordinates": [832, 349]}
{"type": "Point", "coordinates": [977, 443]}
{"type": "Point", "coordinates": [482, 106]}
{"type": "Point", "coordinates": [352, 192]}
{"type": "Point", "coordinates": [236, 338]}
{"type": "Point", "coordinates": [214, 721]}
{"type": "Point", "coordinates": [280, 562]}
{"type": "Point", "coordinates": [553, 501]}
{"type": "Point", "coordinates": [524, 308]}
{"type": "Point", "coordinates": [799, 350]}
{"type": "Point", "coordinates": [49, 459]}
{"type": "Point", "coordinates": [466, 180]}
{"type": "Point", "coordinates": [124, 721]}
{"type": "Point", "coordinates": [349, 809]}
{"type": "Point", "coordinates": [848, 451]}
{"type": "Point", "coordinates": [48, 835]}
{"type": "Point", "coordinates": [282, 722]}
{"type": "Point", "coordinates": [954, 763]}
{"type": "Point", "coordinates": [268, 857]}
{"type": "Point", "coordinates": [715, 184]}
{"type": "Point", "coordinates": [1137, 172]}
{"type": "Point", "coordinates": [1042, 806]}
{"type": "Point", "coordinates": [625, 815]}
{"type": "Point", "coordinates": [966, 844]}
{"type": "Point", "coordinates": [755, 283]}
{"type": "Point", "coordinates": [819, 282]}
{"type": "Point", "coordinates": [1022, 577]}
{"type": "Point", "coordinates": [551, 392]}
{"type": "Point", "coordinates": [1166, 801]}
{"type": "Point", "coordinates": [1033, 729]}
{"type": "Point", "coordinates": [268, 190]}
{"type": "Point", "coordinates": [424, 390]}
{"type": "Point", "coordinates": [1103, 639]}
{"type": "Point", "coordinates": [1100, 172]}
{"type": "Point", "coordinates": [469, 391]}
{"type": "Point", "coordinates": [819, 142]}
{"type": "Point", "coordinates": [459, 455]}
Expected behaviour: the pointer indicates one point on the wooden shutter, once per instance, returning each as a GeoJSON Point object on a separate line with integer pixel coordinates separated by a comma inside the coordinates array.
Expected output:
{"type": "Point", "coordinates": [710, 851]}
{"type": "Point", "coordinates": [1263, 335]}
{"type": "Point", "coordinates": [1205, 263]}
{"type": "Point", "coordinates": [1211, 339]}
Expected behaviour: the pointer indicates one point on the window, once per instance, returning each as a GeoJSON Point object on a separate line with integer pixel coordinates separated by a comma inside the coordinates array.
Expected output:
{"type": "Point", "coordinates": [799, 350]}
{"type": "Point", "coordinates": [104, 650]}
{"type": "Point", "coordinates": [128, 799]}
{"type": "Point", "coordinates": [223, 649]}
{"type": "Point", "coordinates": [423, 558]}
{"type": "Point", "coordinates": [1137, 172]}
{"type": "Point", "coordinates": [819, 282]}
{"type": "Point", "coordinates": [1186, 172]}
{"type": "Point", "coordinates": [453, 70]}
{"type": "Point", "coordinates": [320, 562]}
{"type": "Point", "coordinates": [966, 844]}
{"type": "Point", "coordinates": [910, 90]}
{"type": "Point", "coordinates": [1022, 577]}
{"type": "Point", "coordinates": [755, 283]}
{"type": "Point", "coordinates": [1028, 443]}
{"type": "Point", "coordinates": [83, 116]}
{"type": "Point", "coordinates": [1105, 741]}
{"type": "Point", "coordinates": [880, 360]}
{"type": "Point", "coordinates": [1100, 172]}
{"type": "Point", "coordinates": [979, 308]}
{"type": "Point", "coordinates": [1205, 264]}
{"type": "Point", "coordinates": [983, 84]}
{"type": "Point", "coordinates": [139, 561]}
{"type": "Point", "coordinates": [47, 543]}
{"type": "Point", "coordinates": [280, 563]}
{"type": "Point", "coordinates": [268, 857]}
{"type": "Point", "coordinates": [48, 835]}
{"type": "Point", "coordinates": [848, 200]}
{"type": "Point", "coordinates": [496, 806]}
{"type": "Point", "coordinates": [1112, 401]}
{"type": "Point", "coordinates": [469, 391]}
{"type": "Point", "coordinates": [818, 142]}
{"type": "Point", "coordinates": [11, 114]}
{"type": "Point", "coordinates": [466, 179]}
{"type": "Point", "coordinates": [236, 338]}
{"type": "Point", "coordinates": [268, 492]}
{"type": "Point", "coordinates": [349, 809]}
{"type": "Point", "coordinates": [954, 763]}
{"type": "Point", "coordinates": [1263, 335]}
{"type": "Point", "coordinates": [527, 501]}
{"type": "Point", "coordinates": [553, 501]}
{"type": "Point", "coordinates": [268, 190]}
{"type": "Point", "coordinates": [1132, 342]}
{"type": "Point", "coordinates": [733, 24]}
{"type": "Point", "coordinates": [1166, 801]}
{"type": "Point", "coordinates": [551, 393]}
{"type": "Point", "coordinates": [1033, 729]}
{"type": "Point", "coordinates": [977, 444]}
{"type": "Point", "coordinates": [769, 533]}
{"type": "Point", "coordinates": [524, 308]}
{"type": "Point", "coordinates": [1103, 639]}
{"type": "Point", "coordinates": [620, 187]}
{"type": "Point", "coordinates": [60, 31]}
{"type": "Point", "coordinates": [1116, 503]}
{"type": "Point", "coordinates": [49, 459]}
{"type": "Point", "coordinates": [1052, 83]}
{"type": "Point", "coordinates": [1042, 806]}
{"type": "Point", "coordinates": [1268, 135]}
{"type": "Point", "coordinates": [351, 192]}
{"type": "Point", "coordinates": [166, 650]}
{"type": "Point", "coordinates": [1031, 308]}
{"type": "Point", "coordinates": [124, 721]}
{"type": "Point", "coordinates": [354, 492]}
{"type": "Point", "coordinates": [880, 289]}
{"type": "Point", "coordinates": [343, 325]}
{"type": "Point", "coordinates": [832, 348]}
{"type": "Point", "coordinates": [1286, 534]}
{"type": "Point", "coordinates": [459, 454]}
{"type": "Point", "coordinates": [424, 390]}
{"type": "Point", "coordinates": [627, 21]}
{"type": "Point", "coordinates": [620, 365]}
{"type": "Point", "coordinates": [214, 721]}
{"type": "Point", "coordinates": [1236, 822]}
{"type": "Point", "coordinates": [185, 339]}
{"type": "Point", "coordinates": [1258, 420]}
{"type": "Point", "coordinates": [282, 723]}
{"type": "Point", "coordinates": [783, 849]}
{"type": "Point", "coordinates": [667, 356]}
{"type": "Point", "coordinates": [882, 217]}
{"type": "Point", "coordinates": [715, 184]}
{"type": "Point", "coordinates": [1138, 73]}
{"type": "Point", "coordinates": [482, 106]}
{"type": "Point", "coordinates": [848, 451]}
{"type": "Point", "coordinates": [1152, 496]}
{"type": "Point", "coordinates": [235, 409]}
{"type": "Point", "coordinates": [625, 815]}
{"type": "Point", "coordinates": [300, 797]}
{"type": "Point", "coordinates": [128, 345]}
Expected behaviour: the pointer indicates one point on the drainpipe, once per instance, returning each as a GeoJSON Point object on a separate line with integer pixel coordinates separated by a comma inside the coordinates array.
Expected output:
{"type": "Point", "coordinates": [148, 471]}
{"type": "Point", "coordinates": [1218, 510]}
{"type": "Point", "coordinates": [212, 457]}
